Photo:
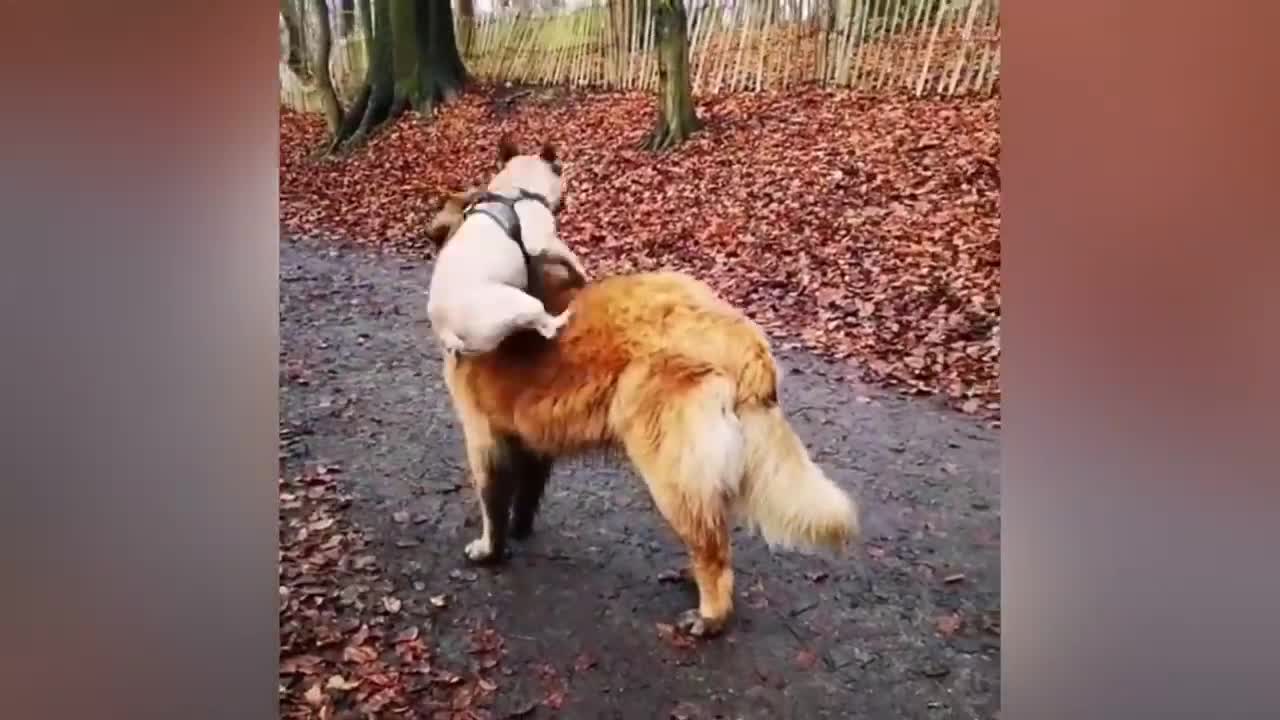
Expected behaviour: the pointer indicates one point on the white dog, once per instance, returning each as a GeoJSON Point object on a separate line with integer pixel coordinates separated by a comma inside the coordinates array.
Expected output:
{"type": "Point", "coordinates": [478, 288]}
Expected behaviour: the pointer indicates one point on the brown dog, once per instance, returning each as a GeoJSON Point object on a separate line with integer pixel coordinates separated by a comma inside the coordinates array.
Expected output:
{"type": "Point", "coordinates": [659, 367]}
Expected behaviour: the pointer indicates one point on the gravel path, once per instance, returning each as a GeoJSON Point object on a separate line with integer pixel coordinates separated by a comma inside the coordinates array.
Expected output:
{"type": "Point", "coordinates": [909, 631]}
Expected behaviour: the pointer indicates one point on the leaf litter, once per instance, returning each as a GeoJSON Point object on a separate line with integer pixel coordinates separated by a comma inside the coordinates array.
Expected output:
{"type": "Point", "coordinates": [865, 229]}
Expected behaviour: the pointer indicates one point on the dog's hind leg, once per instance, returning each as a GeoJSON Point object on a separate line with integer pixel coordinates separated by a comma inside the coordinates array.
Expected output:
{"type": "Point", "coordinates": [678, 428]}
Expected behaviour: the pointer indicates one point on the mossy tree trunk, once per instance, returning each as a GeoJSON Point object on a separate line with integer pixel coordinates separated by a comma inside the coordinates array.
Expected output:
{"type": "Point", "coordinates": [429, 69]}
{"type": "Point", "coordinates": [676, 117]}
{"type": "Point", "coordinates": [440, 70]}
{"type": "Point", "coordinates": [373, 104]}
{"type": "Point", "coordinates": [413, 62]}
{"type": "Point", "coordinates": [405, 42]}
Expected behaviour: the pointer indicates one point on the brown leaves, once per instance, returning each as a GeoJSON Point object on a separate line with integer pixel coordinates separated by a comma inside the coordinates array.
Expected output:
{"type": "Point", "coordinates": [866, 228]}
{"type": "Point", "coordinates": [343, 651]}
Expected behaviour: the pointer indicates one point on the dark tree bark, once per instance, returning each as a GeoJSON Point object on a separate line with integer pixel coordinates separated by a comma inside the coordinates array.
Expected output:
{"type": "Point", "coordinates": [373, 104]}
{"type": "Point", "coordinates": [676, 117]}
{"type": "Point", "coordinates": [413, 61]}
{"type": "Point", "coordinates": [321, 42]}
{"type": "Point", "coordinates": [440, 70]}
{"type": "Point", "coordinates": [381, 79]}
{"type": "Point", "coordinates": [404, 30]}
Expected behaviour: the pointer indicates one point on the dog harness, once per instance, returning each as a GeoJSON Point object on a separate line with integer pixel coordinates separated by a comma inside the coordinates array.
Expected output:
{"type": "Point", "coordinates": [502, 210]}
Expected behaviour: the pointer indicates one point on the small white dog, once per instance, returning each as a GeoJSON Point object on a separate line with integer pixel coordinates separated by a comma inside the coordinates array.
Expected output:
{"type": "Point", "coordinates": [478, 288]}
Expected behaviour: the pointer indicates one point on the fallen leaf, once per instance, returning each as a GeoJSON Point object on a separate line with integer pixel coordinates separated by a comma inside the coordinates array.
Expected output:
{"type": "Point", "coordinates": [948, 624]}
{"type": "Point", "coordinates": [359, 654]}
{"type": "Point", "coordinates": [337, 682]}
{"type": "Point", "coordinates": [314, 696]}
{"type": "Point", "coordinates": [806, 659]}
{"type": "Point", "coordinates": [439, 600]}
{"type": "Point", "coordinates": [300, 664]}
{"type": "Point", "coordinates": [391, 603]}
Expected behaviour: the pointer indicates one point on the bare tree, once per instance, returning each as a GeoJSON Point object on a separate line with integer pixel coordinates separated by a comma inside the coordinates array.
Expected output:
{"type": "Point", "coordinates": [413, 61]}
{"type": "Point", "coordinates": [676, 117]}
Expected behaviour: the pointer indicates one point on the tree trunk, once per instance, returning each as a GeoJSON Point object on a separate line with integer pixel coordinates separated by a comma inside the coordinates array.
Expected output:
{"type": "Point", "coordinates": [321, 42]}
{"type": "Point", "coordinates": [412, 59]}
{"type": "Point", "coordinates": [296, 59]}
{"type": "Point", "coordinates": [676, 117]}
{"type": "Point", "coordinates": [442, 75]}
{"type": "Point", "coordinates": [374, 104]}
{"type": "Point", "coordinates": [405, 44]}
{"type": "Point", "coordinates": [346, 17]}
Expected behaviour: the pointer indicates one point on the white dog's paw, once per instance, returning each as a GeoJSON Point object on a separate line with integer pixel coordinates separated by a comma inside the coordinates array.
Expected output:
{"type": "Point", "coordinates": [452, 344]}
{"type": "Point", "coordinates": [479, 550]}
{"type": "Point", "coordinates": [551, 327]}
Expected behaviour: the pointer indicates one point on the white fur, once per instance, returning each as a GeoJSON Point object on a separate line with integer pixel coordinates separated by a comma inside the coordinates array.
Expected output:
{"type": "Point", "coordinates": [476, 297]}
{"type": "Point", "coordinates": [787, 497]}
{"type": "Point", "coordinates": [482, 547]}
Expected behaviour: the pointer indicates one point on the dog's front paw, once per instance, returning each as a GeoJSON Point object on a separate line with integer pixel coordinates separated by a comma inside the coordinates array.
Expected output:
{"type": "Point", "coordinates": [452, 345]}
{"type": "Point", "coordinates": [692, 623]}
{"type": "Point", "coordinates": [553, 324]}
{"type": "Point", "coordinates": [480, 550]}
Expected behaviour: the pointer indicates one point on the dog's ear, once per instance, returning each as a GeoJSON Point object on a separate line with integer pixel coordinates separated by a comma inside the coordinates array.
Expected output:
{"type": "Point", "coordinates": [548, 153]}
{"type": "Point", "coordinates": [506, 150]}
{"type": "Point", "coordinates": [438, 231]}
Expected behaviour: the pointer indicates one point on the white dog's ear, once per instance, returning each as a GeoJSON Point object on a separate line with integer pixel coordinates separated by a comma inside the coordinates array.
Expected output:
{"type": "Point", "coordinates": [506, 150]}
{"type": "Point", "coordinates": [548, 153]}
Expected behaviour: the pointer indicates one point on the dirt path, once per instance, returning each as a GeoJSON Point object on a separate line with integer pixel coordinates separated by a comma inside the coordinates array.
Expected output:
{"type": "Point", "coordinates": [912, 631]}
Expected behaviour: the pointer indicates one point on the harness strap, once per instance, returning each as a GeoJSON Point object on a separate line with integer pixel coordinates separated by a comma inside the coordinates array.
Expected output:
{"type": "Point", "coordinates": [533, 269]}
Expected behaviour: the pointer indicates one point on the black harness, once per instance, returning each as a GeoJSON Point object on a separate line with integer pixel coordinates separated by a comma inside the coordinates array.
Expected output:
{"type": "Point", "coordinates": [502, 210]}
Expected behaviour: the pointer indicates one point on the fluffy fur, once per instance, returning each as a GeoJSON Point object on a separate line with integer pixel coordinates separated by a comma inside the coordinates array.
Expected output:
{"type": "Point", "coordinates": [659, 367]}
{"type": "Point", "coordinates": [477, 294]}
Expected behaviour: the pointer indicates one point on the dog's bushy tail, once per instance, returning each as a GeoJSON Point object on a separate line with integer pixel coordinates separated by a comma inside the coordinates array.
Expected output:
{"type": "Point", "coordinates": [784, 495]}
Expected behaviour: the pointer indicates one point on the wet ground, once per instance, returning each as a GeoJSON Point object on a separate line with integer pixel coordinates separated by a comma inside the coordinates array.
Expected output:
{"type": "Point", "coordinates": [910, 630]}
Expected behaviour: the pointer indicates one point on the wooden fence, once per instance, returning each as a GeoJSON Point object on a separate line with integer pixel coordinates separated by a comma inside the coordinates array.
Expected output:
{"type": "Point", "coordinates": [925, 47]}
{"type": "Point", "coordinates": [921, 47]}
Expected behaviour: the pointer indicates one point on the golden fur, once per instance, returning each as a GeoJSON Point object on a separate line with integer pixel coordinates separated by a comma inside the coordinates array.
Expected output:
{"type": "Point", "coordinates": [659, 367]}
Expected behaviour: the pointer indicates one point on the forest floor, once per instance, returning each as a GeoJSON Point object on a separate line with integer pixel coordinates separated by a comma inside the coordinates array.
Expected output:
{"type": "Point", "coordinates": [380, 612]}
